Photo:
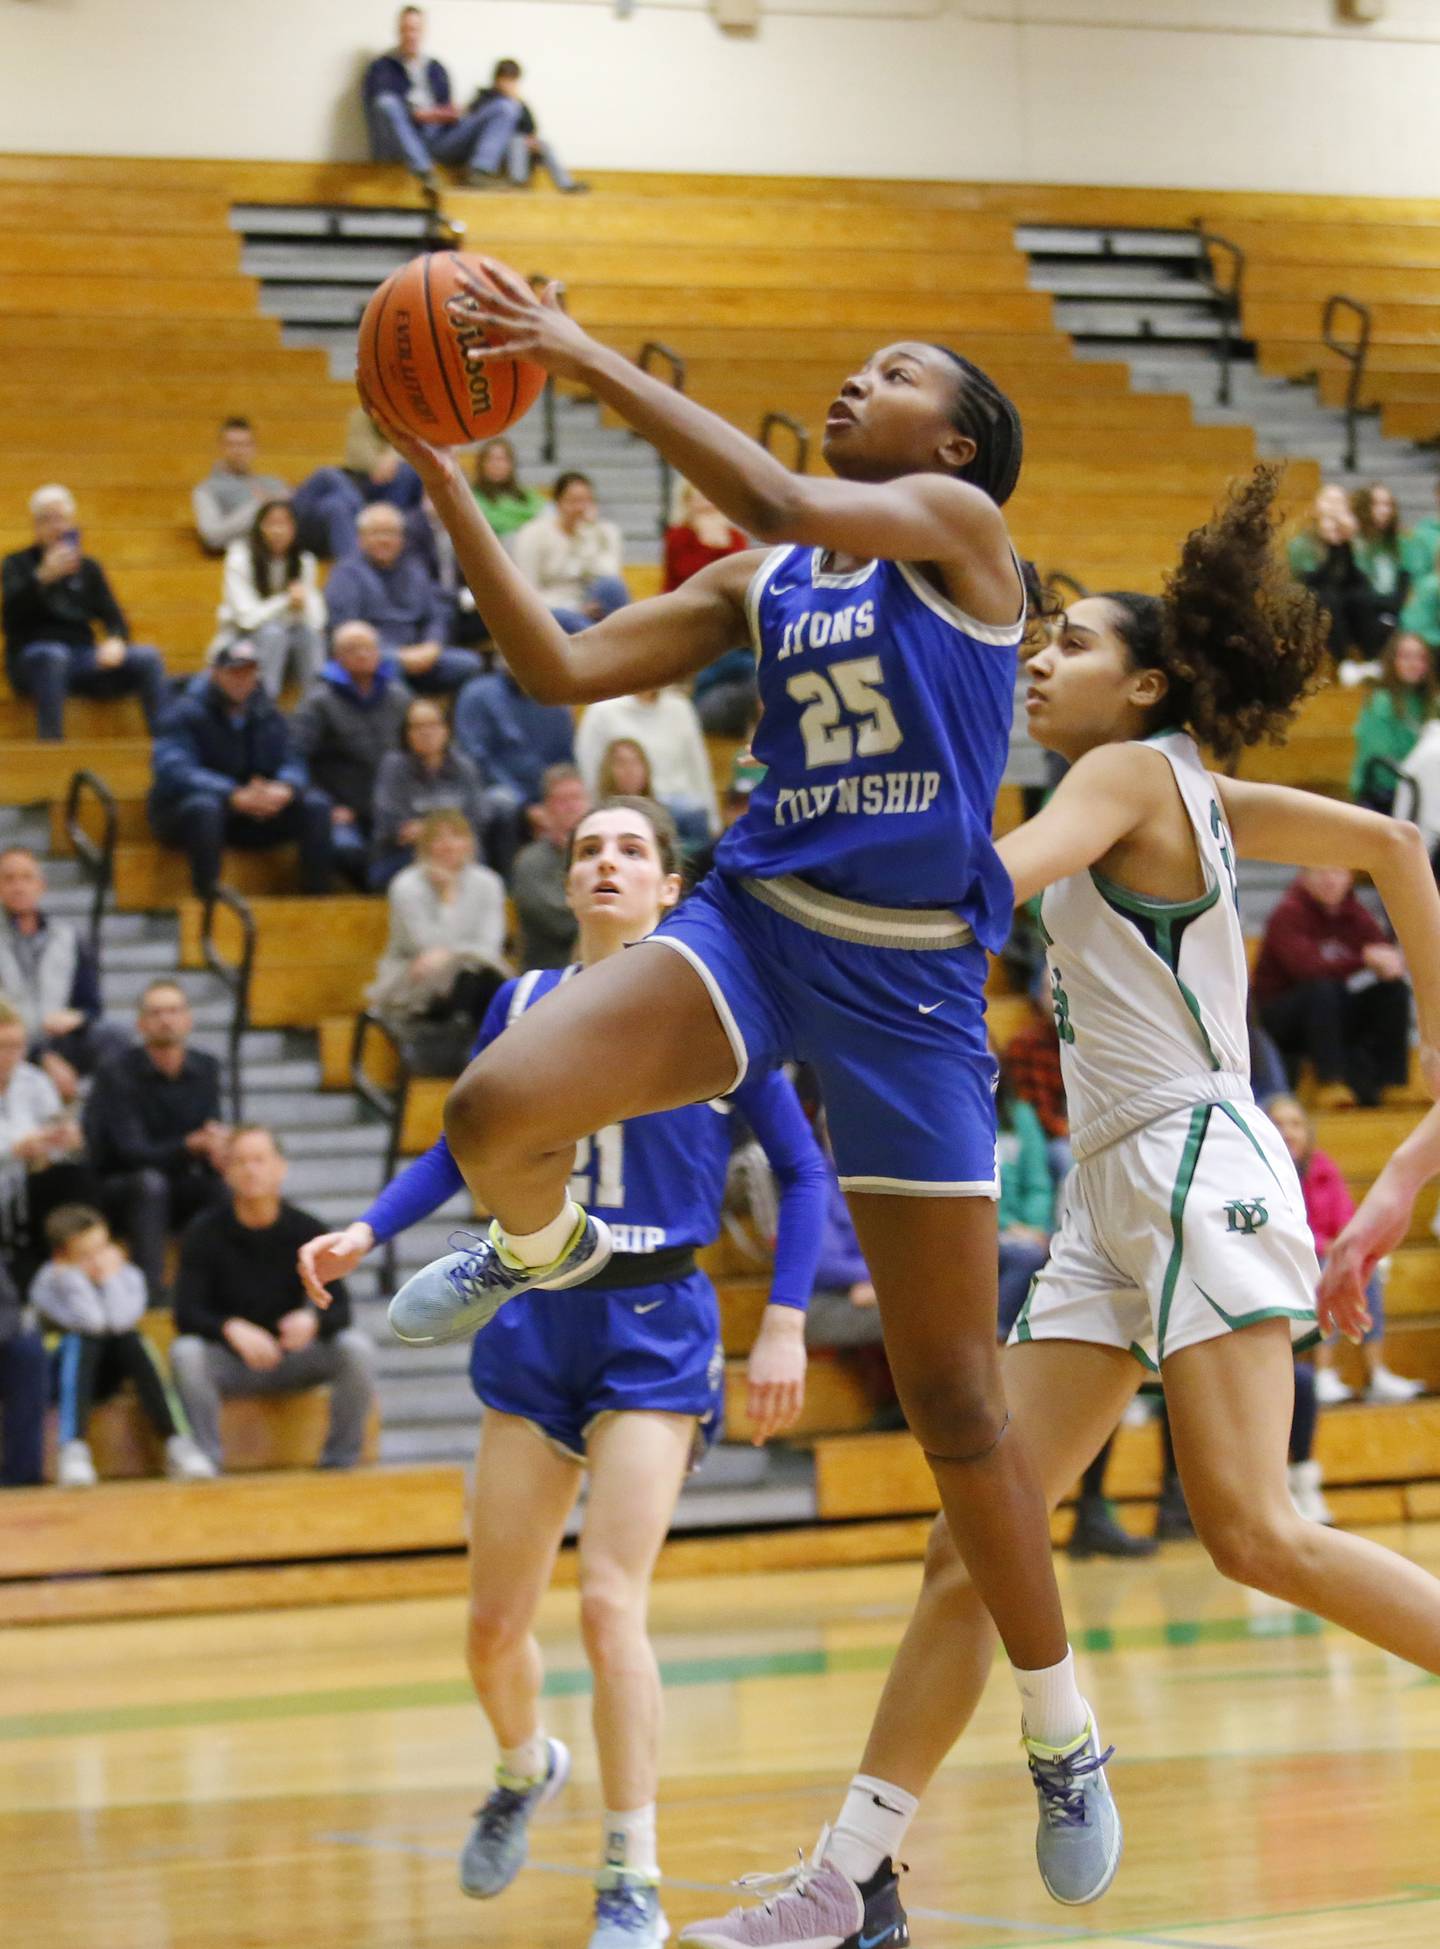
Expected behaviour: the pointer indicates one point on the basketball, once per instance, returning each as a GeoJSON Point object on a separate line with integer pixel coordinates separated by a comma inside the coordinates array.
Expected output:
{"type": "Point", "coordinates": [412, 357]}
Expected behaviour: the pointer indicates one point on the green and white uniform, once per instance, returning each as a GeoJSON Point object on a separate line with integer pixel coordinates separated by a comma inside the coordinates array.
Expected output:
{"type": "Point", "coordinates": [1183, 1218]}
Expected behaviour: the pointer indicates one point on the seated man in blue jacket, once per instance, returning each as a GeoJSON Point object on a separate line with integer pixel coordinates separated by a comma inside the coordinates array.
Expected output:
{"type": "Point", "coordinates": [413, 119]}
{"type": "Point", "coordinates": [226, 774]}
{"type": "Point", "coordinates": [514, 741]}
{"type": "Point", "coordinates": [386, 584]}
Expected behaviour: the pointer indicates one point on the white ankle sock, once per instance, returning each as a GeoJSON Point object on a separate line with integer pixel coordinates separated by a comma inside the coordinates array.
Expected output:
{"type": "Point", "coordinates": [1054, 1712]}
{"type": "Point", "coordinates": [871, 1828]}
{"type": "Point", "coordinates": [630, 1841]}
{"type": "Point", "coordinates": [546, 1245]}
{"type": "Point", "coordinates": [527, 1764]}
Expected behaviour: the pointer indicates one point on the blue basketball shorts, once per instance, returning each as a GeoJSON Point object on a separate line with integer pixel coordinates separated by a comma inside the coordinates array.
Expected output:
{"type": "Point", "coordinates": [886, 1004]}
{"type": "Point", "coordinates": [562, 1360]}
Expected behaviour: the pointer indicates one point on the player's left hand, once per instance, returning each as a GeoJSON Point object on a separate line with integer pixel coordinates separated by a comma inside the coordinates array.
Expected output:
{"type": "Point", "coordinates": [526, 325]}
{"type": "Point", "coordinates": [1376, 1229]}
{"type": "Point", "coordinates": [775, 1374]}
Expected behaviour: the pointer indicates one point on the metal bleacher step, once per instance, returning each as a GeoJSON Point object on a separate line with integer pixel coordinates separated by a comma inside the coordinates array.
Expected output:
{"type": "Point", "coordinates": [321, 220]}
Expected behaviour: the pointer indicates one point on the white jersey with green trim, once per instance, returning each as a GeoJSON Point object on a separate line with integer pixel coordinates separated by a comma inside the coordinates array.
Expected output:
{"type": "Point", "coordinates": [1150, 996]}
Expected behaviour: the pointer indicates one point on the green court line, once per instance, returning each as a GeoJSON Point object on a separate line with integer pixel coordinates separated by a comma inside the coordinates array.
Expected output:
{"type": "Point", "coordinates": [569, 1681]}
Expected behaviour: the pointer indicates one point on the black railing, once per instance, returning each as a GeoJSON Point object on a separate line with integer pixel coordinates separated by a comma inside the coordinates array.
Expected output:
{"type": "Point", "coordinates": [388, 1105]}
{"type": "Point", "coordinates": [773, 423]}
{"type": "Point", "coordinates": [1354, 354]}
{"type": "Point", "coordinates": [1228, 288]}
{"type": "Point", "coordinates": [651, 352]}
{"type": "Point", "coordinates": [235, 978]}
{"type": "Point", "coordinates": [96, 856]}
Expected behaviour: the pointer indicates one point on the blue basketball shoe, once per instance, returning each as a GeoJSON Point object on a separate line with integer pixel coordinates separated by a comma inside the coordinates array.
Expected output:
{"type": "Point", "coordinates": [628, 1914]}
{"type": "Point", "coordinates": [500, 1839]}
{"type": "Point", "coordinates": [1078, 1841]}
{"type": "Point", "coordinates": [454, 1297]}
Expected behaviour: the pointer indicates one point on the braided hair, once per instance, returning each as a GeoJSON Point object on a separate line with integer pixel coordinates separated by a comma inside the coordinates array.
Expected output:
{"type": "Point", "coordinates": [988, 417]}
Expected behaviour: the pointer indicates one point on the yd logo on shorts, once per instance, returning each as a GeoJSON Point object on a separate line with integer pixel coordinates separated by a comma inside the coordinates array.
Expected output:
{"type": "Point", "coordinates": [1246, 1217]}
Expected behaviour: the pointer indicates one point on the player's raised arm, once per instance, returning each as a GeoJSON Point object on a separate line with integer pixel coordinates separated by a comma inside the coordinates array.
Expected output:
{"type": "Point", "coordinates": [1103, 797]}
{"type": "Point", "coordinates": [640, 647]}
{"type": "Point", "coordinates": [914, 485]}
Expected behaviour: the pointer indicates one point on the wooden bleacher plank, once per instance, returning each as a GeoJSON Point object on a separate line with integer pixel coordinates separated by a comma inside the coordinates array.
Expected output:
{"type": "Point", "coordinates": [284, 1433]}
{"type": "Point", "coordinates": [424, 1122]}
{"type": "Point", "coordinates": [296, 931]}
{"type": "Point", "coordinates": [30, 771]}
{"type": "Point", "coordinates": [150, 876]}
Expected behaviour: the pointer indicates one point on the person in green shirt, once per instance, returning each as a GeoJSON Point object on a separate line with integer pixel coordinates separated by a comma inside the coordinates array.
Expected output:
{"type": "Point", "coordinates": [1422, 544]}
{"type": "Point", "coordinates": [1395, 713]}
{"type": "Point", "coordinates": [1421, 614]}
{"type": "Point", "coordinates": [1379, 548]}
{"type": "Point", "coordinates": [499, 493]}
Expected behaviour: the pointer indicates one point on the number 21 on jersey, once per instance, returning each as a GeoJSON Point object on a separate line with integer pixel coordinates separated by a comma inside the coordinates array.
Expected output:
{"type": "Point", "coordinates": [599, 1174]}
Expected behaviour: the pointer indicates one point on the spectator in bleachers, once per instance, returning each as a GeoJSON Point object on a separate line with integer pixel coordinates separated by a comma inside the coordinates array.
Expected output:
{"type": "Point", "coordinates": [271, 595]}
{"type": "Point", "coordinates": [428, 539]}
{"type": "Point", "coordinates": [425, 774]}
{"type": "Point", "coordinates": [91, 1294]}
{"type": "Point", "coordinates": [547, 925]}
{"type": "Point", "coordinates": [24, 1390]}
{"type": "Point", "coordinates": [64, 630]}
{"type": "Point", "coordinates": [227, 774]}
{"type": "Point", "coordinates": [1332, 991]}
{"type": "Point", "coordinates": [513, 740]}
{"type": "Point", "coordinates": [500, 494]}
{"type": "Point", "coordinates": [1329, 1209]}
{"type": "Point", "coordinates": [232, 494]}
{"type": "Point", "coordinates": [344, 728]}
{"type": "Point", "coordinates": [1323, 557]}
{"type": "Point", "coordinates": [1420, 546]}
{"type": "Point", "coordinates": [42, 1162]}
{"type": "Point", "coordinates": [412, 117]}
{"type": "Point", "coordinates": [724, 692]}
{"type": "Point", "coordinates": [1394, 715]}
{"type": "Point", "coordinates": [512, 137]}
{"type": "Point", "coordinates": [387, 585]}
{"type": "Point", "coordinates": [155, 1131]}
{"type": "Point", "coordinates": [1380, 551]}
{"type": "Point", "coordinates": [446, 953]}
{"type": "Point", "coordinates": [1027, 1199]}
{"type": "Point", "coordinates": [52, 977]}
{"type": "Point", "coordinates": [1032, 1065]}
{"type": "Point", "coordinates": [327, 502]}
{"type": "Point", "coordinates": [1421, 613]}
{"type": "Point", "coordinates": [663, 723]}
{"type": "Point", "coordinates": [624, 771]}
{"type": "Point", "coordinates": [245, 1325]}
{"type": "Point", "coordinates": [573, 557]}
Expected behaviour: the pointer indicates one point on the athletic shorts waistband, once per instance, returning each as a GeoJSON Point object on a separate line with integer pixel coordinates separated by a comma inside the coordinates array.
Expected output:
{"type": "Point", "coordinates": [855, 921]}
{"type": "Point", "coordinates": [626, 1269]}
{"type": "Point", "coordinates": [1160, 1100]}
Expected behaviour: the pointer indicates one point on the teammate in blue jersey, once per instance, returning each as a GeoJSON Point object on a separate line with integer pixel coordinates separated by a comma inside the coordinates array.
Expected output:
{"type": "Point", "coordinates": [626, 1379]}
{"type": "Point", "coordinates": [846, 923]}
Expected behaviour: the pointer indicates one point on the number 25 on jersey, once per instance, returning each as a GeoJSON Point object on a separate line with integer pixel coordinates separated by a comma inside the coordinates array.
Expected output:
{"type": "Point", "coordinates": [846, 712]}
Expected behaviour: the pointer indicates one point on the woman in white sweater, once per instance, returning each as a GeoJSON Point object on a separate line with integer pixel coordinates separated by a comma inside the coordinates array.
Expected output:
{"type": "Point", "coordinates": [446, 953]}
{"type": "Point", "coordinates": [271, 596]}
{"type": "Point", "coordinates": [664, 725]}
{"type": "Point", "coordinates": [572, 557]}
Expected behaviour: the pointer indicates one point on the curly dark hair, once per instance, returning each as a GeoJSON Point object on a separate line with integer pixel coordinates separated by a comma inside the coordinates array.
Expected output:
{"type": "Point", "coordinates": [1240, 641]}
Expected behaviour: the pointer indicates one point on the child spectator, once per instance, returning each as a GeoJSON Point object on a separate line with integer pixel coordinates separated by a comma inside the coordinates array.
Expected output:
{"type": "Point", "coordinates": [445, 955]}
{"type": "Point", "coordinates": [271, 596]}
{"type": "Point", "coordinates": [624, 771]}
{"type": "Point", "coordinates": [572, 557]}
{"type": "Point", "coordinates": [506, 503]}
{"type": "Point", "coordinates": [1393, 717]}
{"type": "Point", "coordinates": [663, 723]}
{"type": "Point", "coordinates": [95, 1299]}
{"type": "Point", "coordinates": [412, 118]}
{"type": "Point", "coordinates": [1380, 551]}
{"type": "Point", "coordinates": [1329, 1209]}
{"type": "Point", "coordinates": [427, 774]}
{"type": "Point", "coordinates": [514, 136]}
{"type": "Point", "coordinates": [231, 495]}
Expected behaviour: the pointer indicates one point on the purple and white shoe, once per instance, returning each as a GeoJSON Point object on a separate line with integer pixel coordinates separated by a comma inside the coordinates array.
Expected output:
{"type": "Point", "coordinates": [814, 1905]}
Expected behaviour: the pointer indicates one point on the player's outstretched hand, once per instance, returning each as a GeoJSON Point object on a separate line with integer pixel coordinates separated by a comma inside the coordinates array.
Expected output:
{"type": "Point", "coordinates": [432, 464]}
{"type": "Point", "coordinates": [330, 1257]}
{"type": "Point", "coordinates": [526, 325]}
{"type": "Point", "coordinates": [775, 1374]}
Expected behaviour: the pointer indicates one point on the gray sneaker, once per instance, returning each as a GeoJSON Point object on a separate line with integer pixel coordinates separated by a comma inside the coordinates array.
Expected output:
{"type": "Point", "coordinates": [628, 1914]}
{"type": "Point", "coordinates": [500, 1840]}
{"type": "Point", "coordinates": [1078, 1841]}
{"type": "Point", "coordinates": [453, 1297]}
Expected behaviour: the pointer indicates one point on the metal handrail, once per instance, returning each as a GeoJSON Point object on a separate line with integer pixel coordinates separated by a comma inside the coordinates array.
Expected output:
{"type": "Point", "coordinates": [798, 431]}
{"type": "Point", "coordinates": [1229, 295]}
{"type": "Point", "coordinates": [1354, 356]}
{"type": "Point", "coordinates": [97, 861]}
{"type": "Point", "coordinates": [233, 975]}
{"type": "Point", "coordinates": [649, 352]}
{"type": "Point", "coordinates": [388, 1105]}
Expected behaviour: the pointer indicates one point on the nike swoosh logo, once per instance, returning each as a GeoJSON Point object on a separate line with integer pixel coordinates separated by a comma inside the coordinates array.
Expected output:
{"type": "Point", "coordinates": [926, 1008]}
{"type": "Point", "coordinates": [650, 1308]}
{"type": "Point", "coordinates": [873, 1941]}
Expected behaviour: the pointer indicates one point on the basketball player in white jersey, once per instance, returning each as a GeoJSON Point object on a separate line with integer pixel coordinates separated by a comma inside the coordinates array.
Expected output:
{"type": "Point", "coordinates": [1183, 1244]}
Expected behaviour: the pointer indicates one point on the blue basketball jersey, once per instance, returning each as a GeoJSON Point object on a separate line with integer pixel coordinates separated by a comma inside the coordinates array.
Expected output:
{"type": "Point", "coordinates": [885, 729]}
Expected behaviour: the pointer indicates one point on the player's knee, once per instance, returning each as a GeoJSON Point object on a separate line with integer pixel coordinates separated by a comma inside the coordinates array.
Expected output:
{"type": "Point", "coordinates": [1252, 1546]}
{"type": "Point", "coordinates": [494, 1629]}
{"type": "Point", "coordinates": [612, 1617]}
{"type": "Point", "coordinates": [486, 1111]}
{"type": "Point", "coordinates": [955, 1413]}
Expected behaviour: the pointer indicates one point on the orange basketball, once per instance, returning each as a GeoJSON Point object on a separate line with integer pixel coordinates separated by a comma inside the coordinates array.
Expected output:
{"type": "Point", "coordinates": [412, 357]}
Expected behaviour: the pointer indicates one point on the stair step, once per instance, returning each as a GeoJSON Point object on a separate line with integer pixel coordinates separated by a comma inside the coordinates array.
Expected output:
{"type": "Point", "coordinates": [1080, 240]}
{"type": "Point", "coordinates": [321, 220]}
{"type": "Point", "coordinates": [1134, 284]}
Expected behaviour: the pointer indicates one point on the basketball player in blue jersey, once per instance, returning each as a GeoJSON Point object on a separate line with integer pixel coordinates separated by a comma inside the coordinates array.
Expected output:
{"type": "Point", "coordinates": [628, 1382]}
{"type": "Point", "coordinates": [845, 923]}
{"type": "Point", "coordinates": [1184, 1243]}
